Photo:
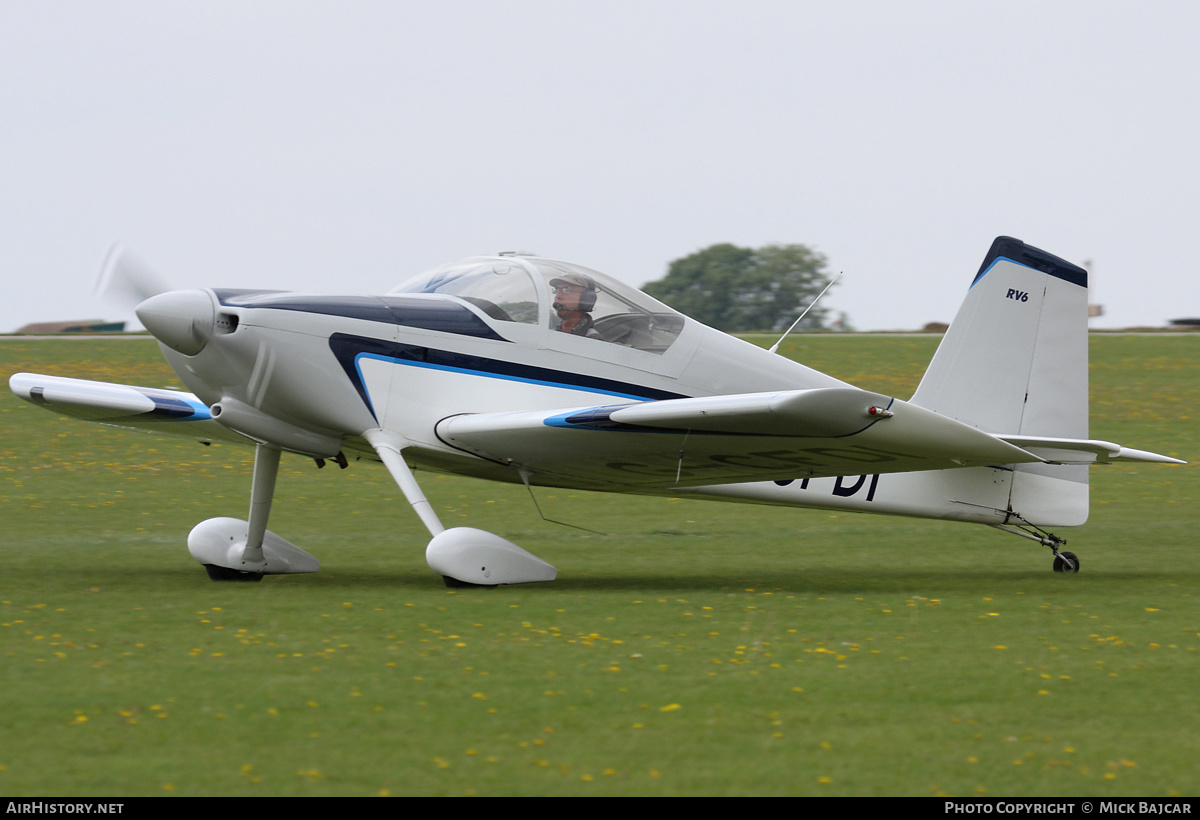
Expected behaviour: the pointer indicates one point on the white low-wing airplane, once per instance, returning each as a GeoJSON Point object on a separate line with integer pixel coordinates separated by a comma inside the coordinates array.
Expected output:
{"type": "Point", "coordinates": [466, 369]}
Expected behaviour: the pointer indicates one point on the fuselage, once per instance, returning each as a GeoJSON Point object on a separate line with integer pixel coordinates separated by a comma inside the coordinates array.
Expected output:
{"type": "Point", "coordinates": [311, 373]}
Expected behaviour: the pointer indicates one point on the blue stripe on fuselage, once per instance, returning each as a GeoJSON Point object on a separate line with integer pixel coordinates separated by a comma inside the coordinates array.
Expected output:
{"type": "Point", "coordinates": [544, 382]}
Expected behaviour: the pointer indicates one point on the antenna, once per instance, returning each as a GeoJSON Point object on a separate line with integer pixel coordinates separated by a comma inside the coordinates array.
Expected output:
{"type": "Point", "coordinates": [525, 477]}
{"type": "Point", "coordinates": [775, 346]}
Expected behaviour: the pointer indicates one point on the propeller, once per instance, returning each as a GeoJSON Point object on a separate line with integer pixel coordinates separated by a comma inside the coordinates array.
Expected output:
{"type": "Point", "coordinates": [125, 280]}
{"type": "Point", "coordinates": [180, 319]}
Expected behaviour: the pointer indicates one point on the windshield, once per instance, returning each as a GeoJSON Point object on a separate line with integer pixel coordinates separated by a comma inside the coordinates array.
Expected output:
{"type": "Point", "coordinates": [582, 301]}
{"type": "Point", "coordinates": [501, 288]}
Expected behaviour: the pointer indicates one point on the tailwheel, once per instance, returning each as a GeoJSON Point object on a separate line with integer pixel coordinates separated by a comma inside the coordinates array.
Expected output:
{"type": "Point", "coordinates": [217, 573]}
{"type": "Point", "coordinates": [1066, 562]}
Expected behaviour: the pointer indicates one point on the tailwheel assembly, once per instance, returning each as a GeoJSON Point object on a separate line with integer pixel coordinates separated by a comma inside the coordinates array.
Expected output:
{"type": "Point", "coordinates": [1063, 561]}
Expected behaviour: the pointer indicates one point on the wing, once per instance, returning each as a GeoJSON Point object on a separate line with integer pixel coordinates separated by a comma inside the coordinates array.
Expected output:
{"type": "Point", "coordinates": [147, 409]}
{"type": "Point", "coordinates": [726, 439]}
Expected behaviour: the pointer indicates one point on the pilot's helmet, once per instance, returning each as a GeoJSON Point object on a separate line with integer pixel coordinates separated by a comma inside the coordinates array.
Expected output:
{"type": "Point", "coordinates": [587, 299]}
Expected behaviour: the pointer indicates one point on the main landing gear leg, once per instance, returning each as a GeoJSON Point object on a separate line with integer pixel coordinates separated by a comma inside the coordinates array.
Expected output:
{"type": "Point", "coordinates": [1063, 561]}
{"type": "Point", "coordinates": [463, 556]}
{"type": "Point", "coordinates": [234, 550]}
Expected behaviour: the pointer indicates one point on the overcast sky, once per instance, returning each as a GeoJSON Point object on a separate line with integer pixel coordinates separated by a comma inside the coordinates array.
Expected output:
{"type": "Point", "coordinates": [343, 146]}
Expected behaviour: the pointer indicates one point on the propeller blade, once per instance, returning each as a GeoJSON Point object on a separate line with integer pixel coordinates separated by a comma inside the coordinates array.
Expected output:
{"type": "Point", "coordinates": [126, 280]}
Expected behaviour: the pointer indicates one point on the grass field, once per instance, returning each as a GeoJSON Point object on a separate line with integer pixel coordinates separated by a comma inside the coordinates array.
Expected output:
{"type": "Point", "coordinates": [694, 648]}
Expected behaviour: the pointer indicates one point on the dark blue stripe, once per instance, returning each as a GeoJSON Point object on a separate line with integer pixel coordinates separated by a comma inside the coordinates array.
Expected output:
{"type": "Point", "coordinates": [1005, 247]}
{"type": "Point", "coordinates": [442, 315]}
{"type": "Point", "coordinates": [172, 409]}
{"type": "Point", "coordinates": [347, 348]}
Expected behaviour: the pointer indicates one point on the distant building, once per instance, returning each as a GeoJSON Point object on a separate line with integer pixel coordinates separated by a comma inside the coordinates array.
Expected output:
{"type": "Point", "coordinates": [81, 326]}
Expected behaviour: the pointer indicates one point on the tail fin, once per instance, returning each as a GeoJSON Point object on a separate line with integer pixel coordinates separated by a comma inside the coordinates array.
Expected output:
{"type": "Point", "coordinates": [1014, 361]}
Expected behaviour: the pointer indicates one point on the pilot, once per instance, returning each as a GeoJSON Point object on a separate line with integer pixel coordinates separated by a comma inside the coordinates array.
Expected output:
{"type": "Point", "coordinates": [574, 298]}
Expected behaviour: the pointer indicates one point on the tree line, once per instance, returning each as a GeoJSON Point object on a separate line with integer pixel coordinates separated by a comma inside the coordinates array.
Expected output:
{"type": "Point", "coordinates": [739, 289]}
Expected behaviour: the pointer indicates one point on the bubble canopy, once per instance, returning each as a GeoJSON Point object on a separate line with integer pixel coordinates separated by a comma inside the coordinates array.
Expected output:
{"type": "Point", "coordinates": [519, 289]}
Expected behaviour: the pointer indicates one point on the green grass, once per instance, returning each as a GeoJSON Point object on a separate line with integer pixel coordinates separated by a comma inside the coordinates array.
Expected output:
{"type": "Point", "coordinates": [694, 648]}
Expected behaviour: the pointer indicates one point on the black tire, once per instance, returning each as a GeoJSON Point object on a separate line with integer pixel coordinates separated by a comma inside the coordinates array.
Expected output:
{"type": "Point", "coordinates": [1066, 562]}
{"type": "Point", "coordinates": [225, 574]}
{"type": "Point", "coordinates": [454, 583]}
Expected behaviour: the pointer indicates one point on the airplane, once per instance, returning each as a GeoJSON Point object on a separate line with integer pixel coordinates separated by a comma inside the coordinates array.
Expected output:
{"type": "Point", "coordinates": [528, 370]}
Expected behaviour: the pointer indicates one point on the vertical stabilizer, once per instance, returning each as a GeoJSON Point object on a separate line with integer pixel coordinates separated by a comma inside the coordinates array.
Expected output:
{"type": "Point", "coordinates": [1015, 361]}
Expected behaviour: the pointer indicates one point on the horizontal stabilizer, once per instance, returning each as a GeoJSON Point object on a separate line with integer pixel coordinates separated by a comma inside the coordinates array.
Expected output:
{"type": "Point", "coordinates": [1080, 451]}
